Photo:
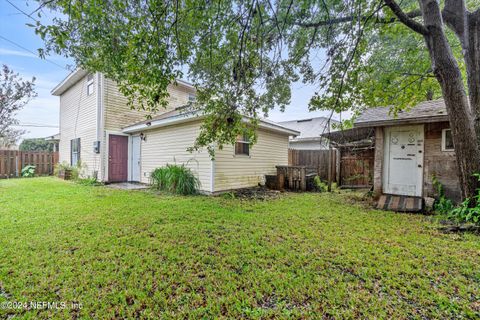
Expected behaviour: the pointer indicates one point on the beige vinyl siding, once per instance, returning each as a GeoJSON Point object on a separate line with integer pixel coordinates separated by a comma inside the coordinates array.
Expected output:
{"type": "Point", "coordinates": [240, 171]}
{"type": "Point", "coordinates": [118, 115]}
{"type": "Point", "coordinates": [168, 145]}
{"type": "Point", "coordinates": [78, 119]}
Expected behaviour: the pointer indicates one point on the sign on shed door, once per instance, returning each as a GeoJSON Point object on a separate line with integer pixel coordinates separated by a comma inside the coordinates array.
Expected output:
{"type": "Point", "coordinates": [403, 160]}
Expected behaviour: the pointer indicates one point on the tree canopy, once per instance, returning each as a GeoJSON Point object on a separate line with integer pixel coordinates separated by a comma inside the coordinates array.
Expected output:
{"type": "Point", "coordinates": [243, 56]}
{"type": "Point", "coordinates": [35, 144]}
{"type": "Point", "coordinates": [14, 95]}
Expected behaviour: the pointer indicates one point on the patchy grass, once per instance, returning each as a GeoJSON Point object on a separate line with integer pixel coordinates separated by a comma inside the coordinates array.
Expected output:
{"type": "Point", "coordinates": [134, 254]}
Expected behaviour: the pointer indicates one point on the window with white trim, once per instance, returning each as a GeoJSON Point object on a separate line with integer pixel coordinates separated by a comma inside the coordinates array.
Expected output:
{"type": "Point", "coordinates": [192, 97]}
{"type": "Point", "coordinates": [90, 84]}
{"type": "Point", "coordinates": [74, 151]}
{"type": "Point", "coordinates": [242, 146]}
{"type": "Point", "coordinates": [447, 140]}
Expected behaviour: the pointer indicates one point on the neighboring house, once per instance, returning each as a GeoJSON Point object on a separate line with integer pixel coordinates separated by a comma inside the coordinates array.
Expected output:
{"type": "Point", "coordinates": [115, 143]}
{"type": "Point", "coordinates": [310, 132]}
{"type": "Point", "coordinates": [411, 148]}
{"type": "Point", "coordinates": [55, 140]}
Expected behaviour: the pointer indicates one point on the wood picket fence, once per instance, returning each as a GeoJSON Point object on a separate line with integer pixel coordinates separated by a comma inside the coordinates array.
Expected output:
{"type": "Point", "coordinates": [13, 161]}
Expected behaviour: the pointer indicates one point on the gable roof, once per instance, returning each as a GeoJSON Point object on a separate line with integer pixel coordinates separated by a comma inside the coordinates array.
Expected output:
{"type": "Point", "coordinates": [78, 74]}
{"type": "Point", "coordinates": [310, 129]}
{"type": "Point", "coordinates": [427, 111]}
{"type": "Point", "coordinates": [179, 115]}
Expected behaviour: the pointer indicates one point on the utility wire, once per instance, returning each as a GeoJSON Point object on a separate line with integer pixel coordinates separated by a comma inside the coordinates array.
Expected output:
{"type": "Point", "coordinates": [32, 52]}
{"type": "Point", "coordinates": [21, 11]}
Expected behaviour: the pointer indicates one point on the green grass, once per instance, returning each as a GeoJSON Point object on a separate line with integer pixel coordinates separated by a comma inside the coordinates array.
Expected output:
{"type": "Point", "coordinates": [139, 255]}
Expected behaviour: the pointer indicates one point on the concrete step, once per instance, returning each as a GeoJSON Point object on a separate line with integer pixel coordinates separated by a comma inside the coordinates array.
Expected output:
{"type": "Point", "coordinates": [400, 203]}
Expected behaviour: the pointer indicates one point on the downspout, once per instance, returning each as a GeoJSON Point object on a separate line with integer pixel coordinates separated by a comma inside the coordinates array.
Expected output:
{"type": "Point", "coordinates": [212, 176]}
{"type": "Point", "coordinates": [99, 126]}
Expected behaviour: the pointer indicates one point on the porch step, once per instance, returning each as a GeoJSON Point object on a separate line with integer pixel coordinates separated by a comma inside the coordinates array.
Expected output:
{"type": "Point", "coordinates": [400, 203]}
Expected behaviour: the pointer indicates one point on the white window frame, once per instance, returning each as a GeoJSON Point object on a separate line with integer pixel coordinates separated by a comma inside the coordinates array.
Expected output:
{"type": "Point", "coordinates": [244, 140]}
{"type": "Point", "coordinates": [192, 97]}
{"type": "Point", "coordinates": [90, 84]}
{"type": "Point", "coordinates": [444, 140]}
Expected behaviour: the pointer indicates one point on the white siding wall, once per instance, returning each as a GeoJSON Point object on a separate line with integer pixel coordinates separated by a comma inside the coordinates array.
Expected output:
{"type": "Point", "coordinates": [78, 119]}
{"type": "Point", "coordinates": [168, 145]}
{"type": "Point", "coordinates": [240, 171]}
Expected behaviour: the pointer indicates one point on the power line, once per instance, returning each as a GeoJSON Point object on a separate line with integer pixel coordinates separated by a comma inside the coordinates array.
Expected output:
{"type": "Point", "coordinates": [21, 11]}
{"type": "Point", "coordinates": [35, 125]}
{"type": "Point", "coordinates": [32, 52]}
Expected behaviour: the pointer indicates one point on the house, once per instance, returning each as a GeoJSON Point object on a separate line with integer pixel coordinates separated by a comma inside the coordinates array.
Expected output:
{"type": "Point", "coordinates": [54, 140]}
{"type": "Point", "coordinates": [412, 148]}
{"type": "Point", "coordinates": [310, 132]}
{"type": "Point", "coordinates": [115, 143]}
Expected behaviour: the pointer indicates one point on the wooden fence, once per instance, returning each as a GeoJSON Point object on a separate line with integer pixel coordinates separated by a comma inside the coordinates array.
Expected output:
{"type": "Point", "coordinates": [315, 158]}
{"type": "Point", "coordinates": [356, 168]}
{"type": "Point", "coordinates": [12, 162]}
{"type": "Point", "coordinates": [349, 169]}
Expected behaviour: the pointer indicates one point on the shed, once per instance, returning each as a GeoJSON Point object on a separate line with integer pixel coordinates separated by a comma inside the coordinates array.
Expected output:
{"type": "Point", "coordinates": [411, 148]}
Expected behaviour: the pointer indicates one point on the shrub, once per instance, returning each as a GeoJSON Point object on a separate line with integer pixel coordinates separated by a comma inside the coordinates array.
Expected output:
{"type": "Point", "coordinates": [443, 204]}
{"type": "Point", "coordinates": [322, 186]}
{"type": "Point", "coordinates": [64, 166]}
{"type": "Point", "coordinates": [28, 171]}
{"type": "Point", "coordinates": [465, 212]}
{"type": "Point", "coordinates": [90, 181]}
{"type": "Point", "coordinates": [176, 179]}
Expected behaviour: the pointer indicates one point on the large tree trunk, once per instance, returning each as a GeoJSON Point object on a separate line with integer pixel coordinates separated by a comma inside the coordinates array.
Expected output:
{"type": "Point", "coordinates": [448, 74]}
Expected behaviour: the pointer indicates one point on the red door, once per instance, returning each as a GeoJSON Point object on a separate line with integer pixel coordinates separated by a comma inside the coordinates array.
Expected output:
{"type": "Point", "coordinates": [117, 158]}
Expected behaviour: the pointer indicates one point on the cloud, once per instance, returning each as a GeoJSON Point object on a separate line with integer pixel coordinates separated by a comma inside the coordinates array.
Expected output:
{"type": "Point", "coordinates": [9, 52]}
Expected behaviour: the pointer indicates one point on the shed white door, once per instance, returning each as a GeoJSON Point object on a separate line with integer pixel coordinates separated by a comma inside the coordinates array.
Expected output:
{"type": "Point", "coordinates": [135, 159]}
{"type": "Point", "coordinates": [403, 160]}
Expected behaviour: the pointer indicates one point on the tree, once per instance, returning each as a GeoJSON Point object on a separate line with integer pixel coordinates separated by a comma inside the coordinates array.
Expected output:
{"type": "Point", "coordinates": [14, 95]}
{"type": "Point", "coordinates": [244, 55]}
{"type": "Point", "coordinates": [35, 144]}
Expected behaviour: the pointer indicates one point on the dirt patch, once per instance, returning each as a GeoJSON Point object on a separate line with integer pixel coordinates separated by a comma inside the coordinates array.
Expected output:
{"type": "Point", "coordinates": [256, 193]}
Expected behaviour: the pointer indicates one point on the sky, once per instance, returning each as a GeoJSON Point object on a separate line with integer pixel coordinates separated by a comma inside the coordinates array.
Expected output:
{"type": "Point", "coordinates": [40, 116]}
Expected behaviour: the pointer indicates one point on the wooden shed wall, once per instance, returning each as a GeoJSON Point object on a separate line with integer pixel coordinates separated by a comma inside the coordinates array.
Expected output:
{"type": "Point", "coordinates": [440, 163]}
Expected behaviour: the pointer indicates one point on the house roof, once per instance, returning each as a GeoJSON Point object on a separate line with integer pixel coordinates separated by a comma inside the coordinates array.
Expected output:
{"type": "Point", "coordinates": [310, 129]}
{"type": "Point", "coordinates": [55, 137]}
{"type": "Point", "coordinates": [362, 136]}
{"type": "Point", "coordinates": [427, 111]}
{"type": "Point", "coordinates": [180, 115]}
{"type": "Point", "coordinates": [78, 74]}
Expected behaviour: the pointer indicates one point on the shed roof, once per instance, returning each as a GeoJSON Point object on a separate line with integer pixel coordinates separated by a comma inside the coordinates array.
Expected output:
{"type": "Point", "coordinates": [427, 111]}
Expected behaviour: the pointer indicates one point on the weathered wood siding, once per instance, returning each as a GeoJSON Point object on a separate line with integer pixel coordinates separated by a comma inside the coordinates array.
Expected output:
{"type": "Point", "coordinates": [439, 163]}
{"type": "Point", "coordinates": [118, 115]}
{"type": "Point", "coordinates": [239, 171]}
{"type": "Point", "coordinates": [168, 145]}
{"type": "Point", "coordinates": [378, 161]}
{"type": "Point", "coordinates": [78, 119]}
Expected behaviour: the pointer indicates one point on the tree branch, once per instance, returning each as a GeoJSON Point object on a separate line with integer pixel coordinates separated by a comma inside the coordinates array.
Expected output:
{"type": "Point", "coordinates": [333, 21]}
{"type": "Point", "coordinates": [405, 19]}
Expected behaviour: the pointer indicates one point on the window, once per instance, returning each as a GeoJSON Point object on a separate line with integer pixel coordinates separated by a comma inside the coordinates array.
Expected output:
{"type": "Point", "coordinates": [74, 151]}
{"type": "Point", "coordinates": [242, 146]}
{"type": "Point", "coordinates": [90, 84]}
{"type": "Point", "coordinates": [192, 97]}
{"type": "Point", "coordinates": [447, 140]}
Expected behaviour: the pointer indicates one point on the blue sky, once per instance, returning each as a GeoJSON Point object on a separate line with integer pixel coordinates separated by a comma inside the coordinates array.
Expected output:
{"type": "Point", "coordinates": [44, 109]}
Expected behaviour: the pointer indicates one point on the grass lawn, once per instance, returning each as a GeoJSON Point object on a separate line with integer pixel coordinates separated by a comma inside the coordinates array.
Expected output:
{"type": "Point", "coordinates": [133, 254]}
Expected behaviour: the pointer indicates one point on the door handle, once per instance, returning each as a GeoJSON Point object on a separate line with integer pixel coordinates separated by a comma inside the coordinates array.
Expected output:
{"type": "Point", "coordinates": [419, 165]}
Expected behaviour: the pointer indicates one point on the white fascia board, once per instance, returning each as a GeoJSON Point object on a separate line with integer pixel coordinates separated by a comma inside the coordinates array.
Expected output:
{"type": "Point", "coordinates": [161, 123]}
{"type": "Point", "coordinates": [69, 81]}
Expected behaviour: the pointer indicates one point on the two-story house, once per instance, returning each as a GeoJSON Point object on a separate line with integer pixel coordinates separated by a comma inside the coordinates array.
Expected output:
{"type": "Point", "coordinates": [115, 143]}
